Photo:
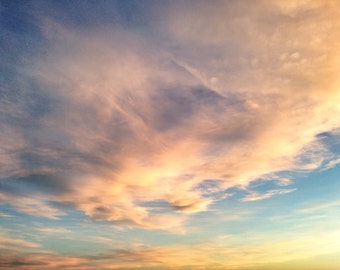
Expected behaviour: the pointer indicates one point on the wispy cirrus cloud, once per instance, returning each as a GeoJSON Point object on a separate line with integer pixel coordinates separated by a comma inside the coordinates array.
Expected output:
{"type": "Point", "coordinates": [254, 196]}
{"type": "Point", "coordinates": [321, 207]}
{"type": "Point", "coordinates": [11, 245]}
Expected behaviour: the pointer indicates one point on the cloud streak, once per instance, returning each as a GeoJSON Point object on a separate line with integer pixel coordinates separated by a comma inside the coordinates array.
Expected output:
{"type": "Point", "coordinates": [212, 254]}
{"type": "Point", "coordinates": [254, 196]}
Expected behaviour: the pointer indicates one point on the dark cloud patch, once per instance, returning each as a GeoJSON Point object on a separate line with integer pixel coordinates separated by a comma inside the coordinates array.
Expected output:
{"type": "Point", "coordinates": [184, 207]}
{"type": "Point", "coordinates": [189, 205]}
{"type": "Point", "coordinates": [114, 257]}
{"type": "Point", "coordinates": [206, 95]}
{"type": "Point", "coordinates": [62, 162]}
{"type": "Point", "coordinates": [43, 158]}
{"type": "Point", "coordinates": [171, 108]}
{"type": "Point", "coordinates": [323, 135]}
{"type": "Point", "coordinates": [102, 213]}
{"type": "Point", "coordinates": [44, 183]}
{"type": "Point", "coordinates": [38, 104]}
{"type": "Point", "coordinates": [20, 261]}
{"type": "Point", "coordinates": [24, 105]}
{"type": "Point", "coordinates": [331, 140]}
{"type": "Point", "coordinates": [51, 129]}
{"type": "Point", "coordinates": [180, 106]}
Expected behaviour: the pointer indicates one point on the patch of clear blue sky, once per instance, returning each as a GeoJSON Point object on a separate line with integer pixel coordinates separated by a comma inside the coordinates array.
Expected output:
{"type": "Point", "coordinates": [276, 215]}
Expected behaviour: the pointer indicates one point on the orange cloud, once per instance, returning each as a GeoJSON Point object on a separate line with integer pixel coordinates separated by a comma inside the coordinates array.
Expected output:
{"type": "Point", "coordinates": [231, 96]}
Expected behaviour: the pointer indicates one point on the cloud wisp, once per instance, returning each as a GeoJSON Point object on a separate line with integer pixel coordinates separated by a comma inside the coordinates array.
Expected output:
{"type": "Point", "coordinates": [212, 254]}
{"type": "Point", "coordinates": [254, 196]}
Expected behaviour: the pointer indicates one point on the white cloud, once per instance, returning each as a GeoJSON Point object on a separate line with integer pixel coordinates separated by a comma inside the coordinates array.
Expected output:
{"type": "Point", "coordinates": [254, 196]}
{"type": "Point", "coordinates": [320, 207]}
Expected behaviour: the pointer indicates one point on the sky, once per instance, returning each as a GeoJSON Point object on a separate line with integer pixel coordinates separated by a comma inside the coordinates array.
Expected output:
{"type": "Point", "coordinates": [170, 135]}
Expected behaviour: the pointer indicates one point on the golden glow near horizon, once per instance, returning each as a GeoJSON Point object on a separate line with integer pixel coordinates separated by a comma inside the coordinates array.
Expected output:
{"type": "Point", "coordinates": [170, 135]}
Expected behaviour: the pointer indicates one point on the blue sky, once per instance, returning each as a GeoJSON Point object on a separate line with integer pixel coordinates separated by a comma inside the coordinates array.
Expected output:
{"type": "Point", "coordinates": [169, 135]}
